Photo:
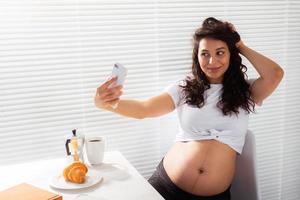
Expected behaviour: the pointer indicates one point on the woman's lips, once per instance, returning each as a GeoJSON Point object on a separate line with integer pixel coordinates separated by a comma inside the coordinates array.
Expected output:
{"type": "Point", "coordinates": [213, 69]}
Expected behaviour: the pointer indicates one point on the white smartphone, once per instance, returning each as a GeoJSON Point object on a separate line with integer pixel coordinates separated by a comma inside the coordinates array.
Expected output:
{"type": "Point", "coordinates": [119, 71]}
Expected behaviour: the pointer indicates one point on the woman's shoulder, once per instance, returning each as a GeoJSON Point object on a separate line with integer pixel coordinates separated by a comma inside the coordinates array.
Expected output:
{"type": "Point", "coordinates": [182, 81]}
{"type": "Point", "coordinates": [179, 81]}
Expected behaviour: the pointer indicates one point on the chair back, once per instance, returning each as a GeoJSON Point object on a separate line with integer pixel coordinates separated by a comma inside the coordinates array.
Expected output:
{"type": "Point", "coordinates": [245, 182]}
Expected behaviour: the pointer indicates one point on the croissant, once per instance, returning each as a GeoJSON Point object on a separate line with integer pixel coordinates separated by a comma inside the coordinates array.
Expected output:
{"type": "Point", "coordinates": [75, 172]}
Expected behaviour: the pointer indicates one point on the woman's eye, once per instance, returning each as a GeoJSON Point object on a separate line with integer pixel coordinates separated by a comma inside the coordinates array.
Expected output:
{"type": "Point", "coordinates": [219, 53]}
{"type": "Point", "coordinates": [204, 54]}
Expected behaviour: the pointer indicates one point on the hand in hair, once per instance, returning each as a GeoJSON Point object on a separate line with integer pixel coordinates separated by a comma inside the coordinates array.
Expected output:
{"type": "Point", "coordinates": [233, 29]}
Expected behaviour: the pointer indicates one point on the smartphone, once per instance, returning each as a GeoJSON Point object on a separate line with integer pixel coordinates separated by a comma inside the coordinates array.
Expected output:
{"type": "Point", "coordinates": [119, 71]}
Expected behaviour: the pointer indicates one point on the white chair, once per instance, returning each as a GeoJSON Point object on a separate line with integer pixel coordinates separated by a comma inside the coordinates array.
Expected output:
{"type": "Point", "coordinates": [245, 182]}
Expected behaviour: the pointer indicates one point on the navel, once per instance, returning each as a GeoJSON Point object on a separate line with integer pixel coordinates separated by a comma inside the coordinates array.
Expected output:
{"type": "Point", "coordinates": [201, 171]}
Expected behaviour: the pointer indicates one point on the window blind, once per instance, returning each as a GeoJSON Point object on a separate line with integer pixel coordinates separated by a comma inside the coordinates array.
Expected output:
{"type": "Point", "coordinates": [291, 139]}
{"type": "Point", "coordinates": [53, 55]}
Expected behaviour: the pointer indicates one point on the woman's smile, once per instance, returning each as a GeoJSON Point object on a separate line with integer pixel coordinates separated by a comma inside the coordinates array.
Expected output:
{"type": "Point", "coordinates": [213, 69]}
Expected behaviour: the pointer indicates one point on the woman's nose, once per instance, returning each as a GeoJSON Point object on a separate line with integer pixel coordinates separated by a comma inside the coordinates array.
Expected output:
{"type": "Point", "coordinates": [212, 60]}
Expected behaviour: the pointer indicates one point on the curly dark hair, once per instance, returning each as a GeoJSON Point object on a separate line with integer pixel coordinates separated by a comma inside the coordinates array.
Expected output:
{"type": "Point", "coordinates": [236, 91]}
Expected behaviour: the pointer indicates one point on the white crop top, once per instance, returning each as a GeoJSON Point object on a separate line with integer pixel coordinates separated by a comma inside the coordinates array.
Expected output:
{"type": "Point", "coordinates": [208, 122]}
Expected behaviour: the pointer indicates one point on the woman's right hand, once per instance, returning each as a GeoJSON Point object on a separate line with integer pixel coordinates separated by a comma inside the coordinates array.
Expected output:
{"type": "Point", "coordinates": [107, 97]}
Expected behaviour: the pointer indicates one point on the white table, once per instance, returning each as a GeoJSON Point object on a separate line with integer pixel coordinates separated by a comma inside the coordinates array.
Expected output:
{"type": "Point", "coordinates": [120, 179]}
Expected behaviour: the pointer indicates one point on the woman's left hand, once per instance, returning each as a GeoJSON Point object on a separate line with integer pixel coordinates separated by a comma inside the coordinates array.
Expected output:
{"type": "Point", "coordinates": [233, 29]}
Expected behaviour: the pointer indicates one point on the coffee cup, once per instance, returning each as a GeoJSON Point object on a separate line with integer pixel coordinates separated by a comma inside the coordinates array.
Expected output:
{"type": "Point", "coordinates": [95, 147]}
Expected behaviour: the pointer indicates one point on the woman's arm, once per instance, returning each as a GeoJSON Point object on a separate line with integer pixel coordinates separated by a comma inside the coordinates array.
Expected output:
{"type": "Point", "coordinates": [106, 98]}
{"type": "Point", "coordinates": [270, 73]}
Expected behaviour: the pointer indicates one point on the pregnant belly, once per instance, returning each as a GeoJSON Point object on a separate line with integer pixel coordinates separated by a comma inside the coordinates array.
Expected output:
{"type": "Point", "coordinates": [202, 168]}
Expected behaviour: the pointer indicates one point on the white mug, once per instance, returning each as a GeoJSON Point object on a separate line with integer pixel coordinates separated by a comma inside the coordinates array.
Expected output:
{"type": "Point", "coordinates": [95, 147]}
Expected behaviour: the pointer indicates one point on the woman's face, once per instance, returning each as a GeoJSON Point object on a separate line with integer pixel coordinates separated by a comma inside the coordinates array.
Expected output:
{"type": "Point", "coordinates": [214, 58]}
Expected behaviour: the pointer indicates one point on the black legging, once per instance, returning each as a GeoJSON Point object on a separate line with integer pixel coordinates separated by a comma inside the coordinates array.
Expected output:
{"type": "Point", "coordinates": [163, 184]}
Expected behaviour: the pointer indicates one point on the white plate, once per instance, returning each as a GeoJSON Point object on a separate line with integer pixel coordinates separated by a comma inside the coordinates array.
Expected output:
{"type": "Point", "coordinates": [93, 177]}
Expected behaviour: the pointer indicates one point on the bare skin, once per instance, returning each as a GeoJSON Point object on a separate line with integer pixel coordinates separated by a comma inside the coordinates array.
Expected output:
{"type": "Point", "coordinates": [202, 168]}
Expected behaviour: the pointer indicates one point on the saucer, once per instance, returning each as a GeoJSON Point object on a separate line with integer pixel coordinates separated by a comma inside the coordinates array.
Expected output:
{"type": "Point", "coordinates": [93, 177]}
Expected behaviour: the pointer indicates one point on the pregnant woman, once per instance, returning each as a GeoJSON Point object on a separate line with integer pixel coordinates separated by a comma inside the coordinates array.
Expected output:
{"type": "Point", "coordinates": [213, 103]}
